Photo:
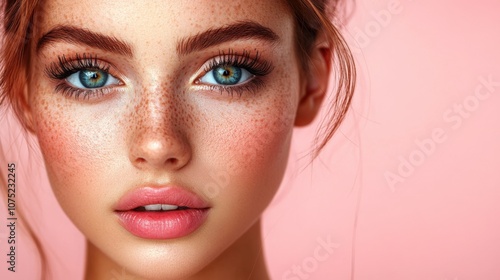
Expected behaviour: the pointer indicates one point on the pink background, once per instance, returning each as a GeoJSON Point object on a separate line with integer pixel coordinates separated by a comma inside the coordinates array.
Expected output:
{"type": "Point", "coordinates": [418, 61]}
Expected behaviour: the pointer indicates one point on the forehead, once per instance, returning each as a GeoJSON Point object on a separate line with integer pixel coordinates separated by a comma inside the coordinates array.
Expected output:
{"type": "Point", "coordinates": [143, 22]}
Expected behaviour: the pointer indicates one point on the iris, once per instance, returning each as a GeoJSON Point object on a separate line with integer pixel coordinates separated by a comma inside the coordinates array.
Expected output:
{"type": "Point", "coordinates": [227, 75]}
{"type": "Point", "coordinates": [93, 78]}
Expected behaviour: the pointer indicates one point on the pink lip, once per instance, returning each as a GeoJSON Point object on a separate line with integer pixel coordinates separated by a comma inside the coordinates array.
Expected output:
{"type": "Point", "coordinates": [161, 224]}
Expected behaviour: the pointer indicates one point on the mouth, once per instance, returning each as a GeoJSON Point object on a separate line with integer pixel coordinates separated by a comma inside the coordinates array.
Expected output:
{"type": "Point", "coordinates": [159, 208]}
{"type": "Point", "coordinates": [161, 213]}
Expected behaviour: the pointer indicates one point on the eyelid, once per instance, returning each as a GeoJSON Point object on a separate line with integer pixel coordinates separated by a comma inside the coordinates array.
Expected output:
{"type": "Point", "coordinates": [64, 67]}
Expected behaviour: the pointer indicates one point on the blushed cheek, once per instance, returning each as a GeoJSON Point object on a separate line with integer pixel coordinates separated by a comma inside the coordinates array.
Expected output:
{"type": "Point", "coordinates": [260, 145]}
{"type": "Point", "coordinates": [264, 141]}
{"type": "Point", "coordinates": [267, 135]}
{"type": "Point", "coordinates": [66, 154]}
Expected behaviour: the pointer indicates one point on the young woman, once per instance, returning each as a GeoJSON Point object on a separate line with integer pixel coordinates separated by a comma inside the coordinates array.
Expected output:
{"type": "Point", "coordinates": [165, 127]}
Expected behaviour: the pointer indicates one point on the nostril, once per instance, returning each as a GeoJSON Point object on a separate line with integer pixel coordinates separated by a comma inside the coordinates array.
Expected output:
{"type": "Point", "coordinates": [140, 160]}
{"type": "Point", "coordinates": [170, 161]}
{"type": "Point", "coordinates": [173, 161]}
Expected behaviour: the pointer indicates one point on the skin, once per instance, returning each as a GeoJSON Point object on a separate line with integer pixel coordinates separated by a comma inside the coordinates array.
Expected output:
{"type": "Point", "coordinates": [158, 127]}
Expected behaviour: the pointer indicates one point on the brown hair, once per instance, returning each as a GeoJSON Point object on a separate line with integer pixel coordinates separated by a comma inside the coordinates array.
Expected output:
{"type": "Point", "coordinates": [311, 18]}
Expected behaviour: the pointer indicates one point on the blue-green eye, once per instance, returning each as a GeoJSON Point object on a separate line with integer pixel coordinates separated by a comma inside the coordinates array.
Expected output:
{"type": "Point", "coordinates": [90, 78]}
{"type": "Point", "coordinates": [227, 75]}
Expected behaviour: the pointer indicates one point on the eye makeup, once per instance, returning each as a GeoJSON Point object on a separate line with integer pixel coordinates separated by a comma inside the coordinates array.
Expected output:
{"type": "Point", "coordinates": [64, 68]}
{"type": "Point", "coordinates": [84, 76]}
{"type": "Point", "coordinates": [231, 61]}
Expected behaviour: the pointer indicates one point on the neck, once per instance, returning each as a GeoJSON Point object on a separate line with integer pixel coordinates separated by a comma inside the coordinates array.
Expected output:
{"type": "Point", "coordinates": [244, 259]}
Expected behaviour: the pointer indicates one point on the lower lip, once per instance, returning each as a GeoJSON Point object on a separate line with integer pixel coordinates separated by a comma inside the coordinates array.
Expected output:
{"type": "Point", "coordinates": [162, 224]}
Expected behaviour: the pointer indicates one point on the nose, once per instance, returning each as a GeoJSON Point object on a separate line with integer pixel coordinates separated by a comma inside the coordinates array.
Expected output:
{"type": "Point", "coordinates": [158, 139]}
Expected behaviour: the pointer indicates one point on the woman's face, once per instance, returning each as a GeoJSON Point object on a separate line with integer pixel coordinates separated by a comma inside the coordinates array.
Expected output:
{"type": "Point", "coordinates": [178, 103]}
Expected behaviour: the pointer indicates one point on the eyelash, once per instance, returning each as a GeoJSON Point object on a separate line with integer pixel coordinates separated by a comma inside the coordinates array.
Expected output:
{"type": "Point", "coordinates": [65, 67]}
{"type": "Point", "coordinates": [245, 61]}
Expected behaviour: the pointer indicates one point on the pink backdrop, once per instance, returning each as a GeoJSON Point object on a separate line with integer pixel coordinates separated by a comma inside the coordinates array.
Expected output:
{"type": "Point", "coordinates": [412, 179]}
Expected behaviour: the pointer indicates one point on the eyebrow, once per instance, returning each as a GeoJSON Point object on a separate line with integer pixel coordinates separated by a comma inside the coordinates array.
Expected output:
{"type": "Point", "coordinates": [232, 32]}
{"type": "Point", "coordinates": [76, 35]}
{"type": "Point", "coordinates": [203, 40]}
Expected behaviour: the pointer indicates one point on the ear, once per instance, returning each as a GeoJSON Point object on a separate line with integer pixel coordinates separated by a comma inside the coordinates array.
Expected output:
{"type": "Point", "coordinates": [315, 83]}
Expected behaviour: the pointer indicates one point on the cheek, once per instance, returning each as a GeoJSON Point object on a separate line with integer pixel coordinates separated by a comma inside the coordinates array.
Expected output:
{"type": "Point", "coordinates": [261, 141]}
{"type": "Point", "coordinates": [253, 150]}
{"type": "Point", "coordinates": [257, 133]}
{"type": "Point", "coordinates": [72, 152]}
{"type": "Point", "coordinates": [57, 137]}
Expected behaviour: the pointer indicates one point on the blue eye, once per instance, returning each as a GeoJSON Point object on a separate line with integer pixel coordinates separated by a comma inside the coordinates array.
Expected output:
{"type": "Point", "coordinates": [89, 78]}
{"type": "Point", "coordinates": [227, 75]}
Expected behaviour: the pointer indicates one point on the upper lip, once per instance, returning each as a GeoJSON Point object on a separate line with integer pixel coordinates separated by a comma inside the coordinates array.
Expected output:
{"type": "Point", "coordinates": [170, 194]}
